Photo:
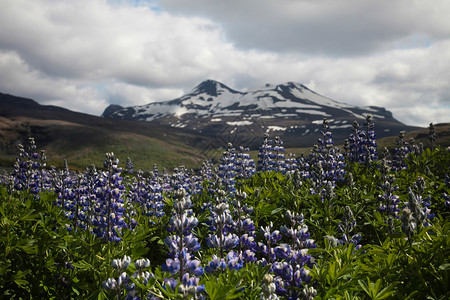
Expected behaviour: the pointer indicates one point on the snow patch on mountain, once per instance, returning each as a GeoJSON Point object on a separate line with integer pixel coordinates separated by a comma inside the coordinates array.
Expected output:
{"type": "Point", "coordinates": [239, 123]}
{"type": "Point", "coordinates": [275, 128]}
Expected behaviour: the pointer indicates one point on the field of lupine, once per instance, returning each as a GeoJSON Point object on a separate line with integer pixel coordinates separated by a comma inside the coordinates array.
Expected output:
{"type": "Point", "coordinates": [351, 223]}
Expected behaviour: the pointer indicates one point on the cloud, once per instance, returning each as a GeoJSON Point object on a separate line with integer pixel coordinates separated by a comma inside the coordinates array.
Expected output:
{"type": "Point", "coordinates": [406, 81]}
{"type": "Point", "coordinates": [87, 54]}
{"type": "Point", "coordinates": [96, 43]}
{"type": "Point", "coordinates": [128, 95]}
{"type": "Point", "coordinates": [322, 27]}
{"type": "Point", "coordinates": [91, 40]}
{"type": "Point", "coordinates": [18, 78]}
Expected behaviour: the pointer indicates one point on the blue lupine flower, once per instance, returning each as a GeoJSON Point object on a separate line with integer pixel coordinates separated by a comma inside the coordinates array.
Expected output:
{"type": "Point", "coordinates": [268, 288]}
{"type": "Point", "coordinates": [419, 208]}
{"type": "Point", "coordinates": [265, 162]}
{"type": "Point", "coordinates": [110, 284]}
{"type": "Point", "coordinates": [308, 292]}
{"type": "Point", "coordinates": [400, 153]}
{"type": "Point", "coordinates": [234, 261]}
{"type": "Point", "coordinates": [245, 165]}
{"type": "Point", "coordinates": [216, 264]}
{"type": "Point", "coordinates": [171, 282]}
{"type": "Point", "coordinates": [272, 237]}
{"type": "Point", "coordinates": [361, 146]}
{"type": "Point", "coordinates": [447, 199]}
{"type": "Point", "coordinates": [408, 225]}
{"type": "Point", "coordinates": [194, 267]}
{"type": "Point", "coordinates": [171, 265]}
{"type": "Point", "coordinates": [142, 264]}
{"type": "Point", "coordinates": [121, 264]}
{"type": "Point", "coordinates": [388, 200]}
{"type": "Point", "coordinates": [181, 244]}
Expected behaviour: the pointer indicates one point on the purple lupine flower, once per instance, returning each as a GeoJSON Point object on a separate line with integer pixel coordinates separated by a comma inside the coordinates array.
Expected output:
{"type": "Point", "coordinates": [419, 208]}
{"type": "Point", "coordinates": [272, 237]}
{"type": "Point", "coordinates": [234, 261]}
{"type": "Point", "coordinates": [327, 158]}
{"type": "Point", "coordinates": [288, 262]}
{"type": "Point", "coordinates": [309, 292]}
{"type": "Point", "coordinates": [110, 284]}
{"type": "Point", "coordinates": [408, 226]}
{"type": "Point", "coordinates": [171, 282]}
{"type": "Point", "coordinates": [245, 165]}
{"type": "Point", "coordinates": [121, 264]}
{"type": "Point", "coordinates": [244, 227]}
{"type": "Point", "coordinates": [228, 167]}
{"type": "Point", "coordinates": [171, 265]}
{"type": "Point", "coordinates": [216, 264]}
{"type": "Point", "coordinates": [142, 264]}
{"type": "Point", "coordinates": [123, 281]}
{"type": "Point", "coordinates": [290, 273]}
{"type": "Point", "coordinates": [190, 286]}
{"type": "Point", "coordinates": [447, 199]}
{"type": "Point", "coordinates": [388, 200]}
{"type": "Point", "coordinates": [221, 221]}
{"type": "Point", "coordinates": [346, 226]}
{"type": "Point", "coordinates": [400, 153]}
{"type": "Point", "coordinates": [265, 162]}
{"type": "Point", "coordinates": [268, 288]}
{"type": "Point", "coordinates": [194, 267]}
{"type": "Point", "coordinates": [181, 245]}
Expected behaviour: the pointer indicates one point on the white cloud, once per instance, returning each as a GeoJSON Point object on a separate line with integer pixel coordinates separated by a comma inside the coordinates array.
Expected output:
{"type": "Point", "coordinates": [128, 95]}
{"type": "Point", "coordinates": [87, 54]}
{"type": "Point", "coordinates": [18, 78]}
{"type": "Point", "coordinates": [331, 27]}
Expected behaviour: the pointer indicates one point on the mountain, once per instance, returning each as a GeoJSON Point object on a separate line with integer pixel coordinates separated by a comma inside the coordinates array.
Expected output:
{"type": "Point", "coordinates": [84, 139]}
{"type": "Point", "coordinates": [290, 110]}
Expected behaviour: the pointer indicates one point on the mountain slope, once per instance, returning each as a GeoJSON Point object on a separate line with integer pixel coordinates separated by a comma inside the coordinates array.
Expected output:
{"type": "Point", "coordinates": [289, 110]}
{"type": "Point", "coordinates": [84, 139]}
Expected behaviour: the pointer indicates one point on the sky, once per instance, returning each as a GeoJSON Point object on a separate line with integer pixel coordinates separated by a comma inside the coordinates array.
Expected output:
{"type": "Point", "coordinates": [86, 54]}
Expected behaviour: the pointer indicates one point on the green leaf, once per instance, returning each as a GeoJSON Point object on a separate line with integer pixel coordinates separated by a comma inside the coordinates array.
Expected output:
{"type": "Point", "coordinates": [365, 286]}
{"type": "Point", "coordinates": [21, 282]}
{"type": "Point", "coordinates": [373, 289]}
{"type": "Point", "coordinates": [102, 296]}
{"type": "Point", "coordinates": [276, 210]}
{"type": "Point", "coordinates": [28, 217]}
{"type": "Point", "coordinates": [75, 291]}
{"type": "Point", "coordinates": [83, 265]}
{"type": "Point", "coordinates": [386, 292]}
{"type": "Point", "coordinates": [444, 267]}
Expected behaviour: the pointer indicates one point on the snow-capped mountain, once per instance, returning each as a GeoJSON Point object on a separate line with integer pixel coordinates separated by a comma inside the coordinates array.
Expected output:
{"type": "Point", "coordinates": [289, 110]}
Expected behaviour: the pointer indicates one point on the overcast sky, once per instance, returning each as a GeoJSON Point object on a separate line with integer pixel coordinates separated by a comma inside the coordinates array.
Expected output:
{"type": "Point", "coordinates": [87, 54]}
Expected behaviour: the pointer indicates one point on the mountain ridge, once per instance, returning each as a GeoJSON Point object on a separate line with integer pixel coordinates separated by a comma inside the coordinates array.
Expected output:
{"type": "Point", "coordinates": [83, 139]}
{"type": "Point", "coordinates": [290, 110]}
{"type": "Point", "coordinates": [214, 88]}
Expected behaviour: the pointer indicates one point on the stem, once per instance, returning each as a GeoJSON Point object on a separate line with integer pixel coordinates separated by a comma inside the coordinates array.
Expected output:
{"type": "Point", "coordinates": [62, 192]}
{"type": "Point", "coordinates": [220, 239]}
{"type": "Point", "coordinates": [108, 203]}
{"type": "Point", "coordinates": [118, 292]}
{"type": "Point", "coordinates": [240, 230]}
{"type": "Point", "coordinates": [77, 205]}
{"type": "Point", "coordinates": [7, 246]}
{"type": "Point", "coordinates": [180, 252]}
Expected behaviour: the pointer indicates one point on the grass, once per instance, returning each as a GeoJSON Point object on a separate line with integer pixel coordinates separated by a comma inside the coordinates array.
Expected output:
{"type": "Point", "coordinates": [143, 151]}
{"type": "Point", "coordinates": [83, 145]}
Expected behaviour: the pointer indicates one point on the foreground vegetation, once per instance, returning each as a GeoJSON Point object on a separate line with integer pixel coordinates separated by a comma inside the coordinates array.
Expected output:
{"type": "Point", "coordinates": [346, 223]}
